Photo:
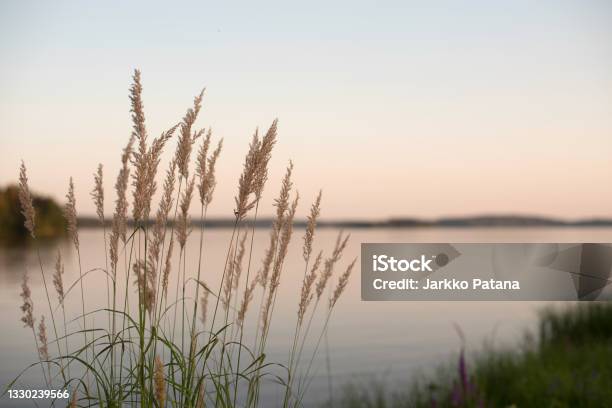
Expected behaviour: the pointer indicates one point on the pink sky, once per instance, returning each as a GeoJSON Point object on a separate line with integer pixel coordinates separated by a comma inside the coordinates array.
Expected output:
{"type": "Point", "coordinates": [401, 111]}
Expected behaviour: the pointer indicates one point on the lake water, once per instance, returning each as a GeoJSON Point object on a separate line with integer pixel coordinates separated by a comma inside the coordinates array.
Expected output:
{"type": "Point", "coordinates": [394, 341]}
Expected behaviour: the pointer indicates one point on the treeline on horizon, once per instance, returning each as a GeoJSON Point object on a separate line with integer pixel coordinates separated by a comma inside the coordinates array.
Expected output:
{"type": "Point", "coordinates": [52, 223]}
{"type": "Point", "coordinates": [475, 221]}
{"type": "Point", "coordinates": [49, 215]}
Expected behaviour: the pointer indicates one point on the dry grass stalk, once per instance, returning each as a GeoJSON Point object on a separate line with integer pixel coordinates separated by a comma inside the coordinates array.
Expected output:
{"type": "Point", "coordinates": [186, 138]}
{"type": "Point", "coordinates": [201, 162]}
{"type": "Point", "coordinates": [255, 171]}
{"type": "Point", "coordinates": [183, 228]}
{"type": "Point", "coordinates": [167, 267]}
{"type": "Point", "coordinates": [74, 399]}
{"type": "Point", "coordinates": [306, 294]}
{"type": "Point", "coordinates": [146, 288]}
{"type": "Point", "coordinates": [119, 224]}
{"type": "Point", "coordinates": [121, 187]}
{"type": "Point", "coordinates": [145, 158]}
{"type": "Point", "coordinates": [203, 307]}
{"type": "Point", "coordinates": [161, 219]}
{"type": "Point", "coordinates": [283, 246]}
{"type": "Point", "coordinates": [238, 262]}
{"type": "Point", "coordinates": [58, 281]}
{"type": "Point", "coordinates": [281, 203]}
{"type": "Point", "coordinates": [98, 193]}
{"type": "Point", "coordinates": [201, 402]}
{"type": "Point", "coordinates": [246, 181]}
{"type": "Point", "coordinates": [71, 215]}
{"type": "Point", "coordinates": [262, 276]}
{"type": "Point", "coordinates": [25, 198]}
{"type": "Point", "coordinates": [206, 171]}
{"type": "Point", "coordinates": [160, 382]}
{"type": "Point", "coordinates": [42, 337]}
{"type": "Point", "coordinates": [272, 260]}
{"type": "Point", "coordinates": [28, 306]}
{"type": "Point", "coordinates": [153, 158]}
{"type": "Point", "coordinates": [246, 300]}
{"type": "Point", "coordinates": [342, 282]}
{"type": "Point", "coordinates": [139, 156]}
{"type": "Point", "coordinates": [265, 153]}
{"type": "Point", "coordinates": [330, 262]}
{"type": "Point", "coordinates": [228, 282]}
{"type": "Point", "coordinates": [43, 348]}
{"type": "Point", "coordinates": [315, 211]}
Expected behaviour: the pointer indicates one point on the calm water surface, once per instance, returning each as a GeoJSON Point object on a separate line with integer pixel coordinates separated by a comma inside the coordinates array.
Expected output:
{"type": "Point", "coordinates": [392, 341]}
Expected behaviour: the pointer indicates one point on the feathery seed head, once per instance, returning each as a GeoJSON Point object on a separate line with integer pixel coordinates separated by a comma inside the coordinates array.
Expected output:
{"type": "Point", "coordinates": [205, 169]}
{"type": "Point", "coordinates": [210, 182]}
{"type": "Point", "coordinates": [42, 337]}
{"type": "Point", "coordinates": [265, 153]}
{"type": "Point", "coordinates": [229, 279]}
{"type": "Point", "coordinates": [330, 262]}
{"type": "Point", "coordinates": [255, 171]}
{"type": "Point", "coordinates": [145, 158]}
{"type": "Point", "coordinates": [137, 108]}
{"type": "Point", "coordinates": [160, 382]}
{"type": "Point", "coordinates": [153, 159]}
{"type": "Point", "coordinates": [283, 246]}
{"type": "Point", "coordinates": [98, 193]}
{"type": "Point", "coordinates": [28, 306]}
{"type": "Point", "coordinates": [203, 307]}
{"type": "Point", "coordinates": [186, 138]}
{"type": "Point", "coordinates": [281, 203]}
{"type": "Point", "coordinates": [285, 239]}
{"type": "Point", "coordinates": [309, 280]}
{"type": "Point", "coordinates": [202, 158]}
{"type": "Point", "coordinates": [238, 261]}
{"type": "Point", "coordinates": [25, 199]}
{"type": "Point", "coordinates": [246, 300]}
{"type": "Point", "coordinates": [342, 282]}
{"type": "Point", "coordinates": [161, 217]}
{"type": "Point", "coordinates": [315, 210]}
{"type": "Point", "coordinates": [71, 215]}
{"type": "Point", "coordinates": [167, 266]}
{"type": "Point", "coordinates": [183, 229]}
{"type": "Point", "coordinates": [119, 224]}
{"type": "Point", "coordinates": [58, 281]}
{"type": "Point", "coordinates": [145, 284]}
{"type": "Point", "coordinates": [247, 178]}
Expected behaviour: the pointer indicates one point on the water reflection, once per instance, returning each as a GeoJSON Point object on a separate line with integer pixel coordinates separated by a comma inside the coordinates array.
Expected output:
{"type": "Point", "coordinates": [365, 338]}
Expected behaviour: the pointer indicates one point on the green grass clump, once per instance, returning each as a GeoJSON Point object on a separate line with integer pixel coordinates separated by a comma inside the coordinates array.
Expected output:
{"type": "Point", "coordinates": [568, 364]}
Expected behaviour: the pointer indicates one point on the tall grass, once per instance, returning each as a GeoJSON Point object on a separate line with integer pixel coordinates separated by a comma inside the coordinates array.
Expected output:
{"type": "Point", "coordinates": [187, 348]}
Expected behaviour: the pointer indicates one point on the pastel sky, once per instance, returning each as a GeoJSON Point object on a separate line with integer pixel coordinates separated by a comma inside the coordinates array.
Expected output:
{"type": "Point", "coordinates": [392, 108]}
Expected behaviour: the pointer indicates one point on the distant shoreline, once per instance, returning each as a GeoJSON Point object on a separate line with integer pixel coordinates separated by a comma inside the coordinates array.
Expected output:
{"type": "Point", "coordinates": [445, 222]}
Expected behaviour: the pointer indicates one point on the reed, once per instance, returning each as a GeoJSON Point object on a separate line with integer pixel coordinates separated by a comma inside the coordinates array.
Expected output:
{"type": "Point", "coordinates": [44, 343]}
{"type": "Point", "coordinates": [70, 213]}
{"type": "Point", "coordinates": [160, 382]}
{"type": "Point", "coordinates": [58, 282]}
{"type": "Point", "coordinates": [27, 308]}
{"type": "Point", "coordinates": [149, 350]}
{"type": "Point", "coordinates": [29, 213]}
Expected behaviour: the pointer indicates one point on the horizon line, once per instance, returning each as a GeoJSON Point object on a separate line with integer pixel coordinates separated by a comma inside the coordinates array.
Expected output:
{"type": "Point", "coordinates": [392, 222]}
